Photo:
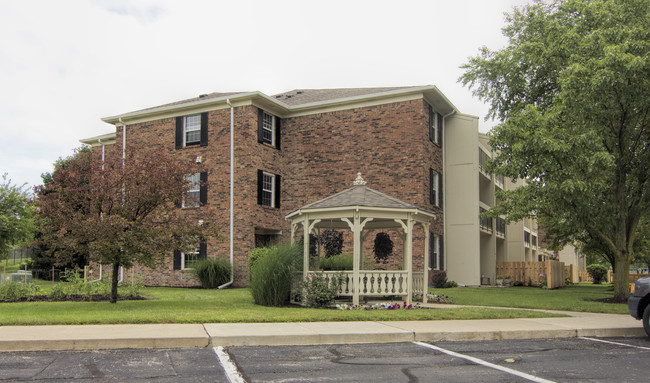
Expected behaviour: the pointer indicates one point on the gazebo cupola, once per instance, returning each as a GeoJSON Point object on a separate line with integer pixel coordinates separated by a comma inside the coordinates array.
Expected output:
{"type": "Point", "coordinates": [361, 210]}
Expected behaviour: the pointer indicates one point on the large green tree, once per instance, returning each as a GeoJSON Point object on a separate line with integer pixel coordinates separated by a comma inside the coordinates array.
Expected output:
{"type": "Point", "coordinates": [572, 91]}
{"type": "Point", "coordinates": [122, 212]}
{"type": "Point", "coordinates": [16, 219]}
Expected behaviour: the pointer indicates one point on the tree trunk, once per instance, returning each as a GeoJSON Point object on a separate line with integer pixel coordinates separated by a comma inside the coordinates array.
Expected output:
{"type": "Point", "coordinates": [622, 278]}
{"type": "Point", "coordinates": [114, 281]}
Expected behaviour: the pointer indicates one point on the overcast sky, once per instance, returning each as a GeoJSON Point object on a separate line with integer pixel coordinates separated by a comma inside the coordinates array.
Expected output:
{"type": "Point", "coordinates": [65, 64]}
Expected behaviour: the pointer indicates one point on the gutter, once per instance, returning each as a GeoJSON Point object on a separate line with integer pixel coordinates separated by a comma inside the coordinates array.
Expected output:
{"type": "Point", "coordinates": [232, 192]}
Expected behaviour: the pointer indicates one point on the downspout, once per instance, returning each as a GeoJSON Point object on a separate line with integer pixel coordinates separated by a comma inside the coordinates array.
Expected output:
{"type": "Point", "coordinates": [444, 186]}
{"type": "Point", "coordinates": [232, 192]}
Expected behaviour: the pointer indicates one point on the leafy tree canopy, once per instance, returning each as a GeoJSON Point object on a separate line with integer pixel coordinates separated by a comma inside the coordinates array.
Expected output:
{"type": "Point", "coordinates": [16, 219]}
{"type": "Point", "coordinates": [572, 89]}
{"type": "Point", "coordinates": [121, 212]}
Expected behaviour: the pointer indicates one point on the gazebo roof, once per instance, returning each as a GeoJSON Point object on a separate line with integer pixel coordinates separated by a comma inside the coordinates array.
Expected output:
{"type": "Point", "coordinates": [360, 196]}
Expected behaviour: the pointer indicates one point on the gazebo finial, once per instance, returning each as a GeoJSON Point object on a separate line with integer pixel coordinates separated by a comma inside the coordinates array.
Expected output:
{"type": "Point", "coordinates": [359, 180]}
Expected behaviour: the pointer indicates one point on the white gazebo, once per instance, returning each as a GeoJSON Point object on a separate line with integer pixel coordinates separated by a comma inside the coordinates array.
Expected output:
{"type": "Point", "coordinates": [361, 210]}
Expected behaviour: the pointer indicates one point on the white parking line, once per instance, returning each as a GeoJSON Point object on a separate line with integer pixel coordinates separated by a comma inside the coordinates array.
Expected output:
{"type": "Point", "coordinates": [616, 343]}
{"type": "Point", "coordinates": [484, 363]}
{"type": "Point", "coordinates": [232, 373]}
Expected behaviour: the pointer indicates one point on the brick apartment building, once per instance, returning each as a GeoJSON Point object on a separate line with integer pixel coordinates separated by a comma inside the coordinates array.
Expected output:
{"type": "Point", "coordinates": [295, 148]}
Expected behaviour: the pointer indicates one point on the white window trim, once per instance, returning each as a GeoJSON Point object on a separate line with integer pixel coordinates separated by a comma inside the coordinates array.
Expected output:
{"type": "Point", "coordinates": [272, 130]}
{"type": "Point", "coordinates": [272, 190]}
{"type": "Point", "coordinates": [185, 131]}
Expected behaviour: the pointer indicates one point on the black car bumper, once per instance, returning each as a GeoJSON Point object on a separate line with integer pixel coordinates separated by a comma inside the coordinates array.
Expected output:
{"type": "Point", "coordinates": [633, 306]}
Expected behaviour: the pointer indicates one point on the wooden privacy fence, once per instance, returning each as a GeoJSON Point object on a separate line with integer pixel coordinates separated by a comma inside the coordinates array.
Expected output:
{"type": "Point", "coordinates": [534, 273]}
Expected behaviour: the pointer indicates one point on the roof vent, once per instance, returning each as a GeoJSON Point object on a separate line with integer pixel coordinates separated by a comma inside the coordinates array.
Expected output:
{"type": "Point", "coordinates": [203, 95]}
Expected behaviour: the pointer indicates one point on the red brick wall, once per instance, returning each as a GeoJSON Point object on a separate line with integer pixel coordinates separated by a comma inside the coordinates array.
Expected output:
{"type": "Point", "coordinates": [320, 155]}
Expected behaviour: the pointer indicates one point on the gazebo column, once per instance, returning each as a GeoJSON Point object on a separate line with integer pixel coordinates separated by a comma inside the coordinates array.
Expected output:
{"type": "Point", "coordinates": [425, 278]}
{"type": "Point", "coordinates": [305, 246]}
{"type": "Point", "coordinates": [356, 256]}
{"type": "Point", "coordinates": [409, 259]}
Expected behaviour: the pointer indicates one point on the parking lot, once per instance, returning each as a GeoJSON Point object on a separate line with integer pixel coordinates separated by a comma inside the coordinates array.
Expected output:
{"type": "Point", "coordinates": [556, 360]}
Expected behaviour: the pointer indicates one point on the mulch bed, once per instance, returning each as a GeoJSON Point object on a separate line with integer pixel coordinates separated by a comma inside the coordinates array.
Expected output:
{"type": "Point", "coordinates": [77, 298]}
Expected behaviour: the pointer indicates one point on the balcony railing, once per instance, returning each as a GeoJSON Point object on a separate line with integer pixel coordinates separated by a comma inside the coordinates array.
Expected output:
{"type": "Point", "coordinates": [482, 159]}
{"type": "Point", "coordinates": [501, 227]}
{"type": "Point", "coordinates": [526, 239]}
{"type": "Point", "coordinates": [485, 223]}
{"type": "Point", "coordinates": [499, 181]}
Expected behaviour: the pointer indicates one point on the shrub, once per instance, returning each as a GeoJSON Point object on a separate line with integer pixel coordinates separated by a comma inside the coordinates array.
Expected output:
{"type": "Point", "coordinates": [258, 253]}
{"type": "Point", "coordinates": [12, 291]}
{"type": "Point", "coordinates": [212, 273]}
{"type": "Point", "coordinates": [450, 284]}
{"type": "Point", "coordinates": [337, 262]}
{"type": "Point", "coordinates": [597, 272]}
{"type": "Point", "coordinates": [383, 247]}
{"type": "Point", "coordinates": [439, 279]}
{"type": "Point", "coordinates": [316, 291]}
{"type": "Point", "coordinates": [332, 242]}
{"type": "Point", "coordinates": [132, 290]}
{"type": "Point", "coordinates": [273, 275]}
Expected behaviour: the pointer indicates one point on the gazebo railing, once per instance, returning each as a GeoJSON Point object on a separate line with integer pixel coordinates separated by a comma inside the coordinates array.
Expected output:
{"type": "Point", "coordinates": [376, 282]}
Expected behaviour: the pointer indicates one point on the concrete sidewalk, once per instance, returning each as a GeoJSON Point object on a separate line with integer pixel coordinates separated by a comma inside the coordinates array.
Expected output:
{"type": "Point", "coordinates": [28, 338]}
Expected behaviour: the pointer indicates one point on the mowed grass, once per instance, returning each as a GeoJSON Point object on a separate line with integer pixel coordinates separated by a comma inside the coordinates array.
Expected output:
{"type": "Point", "coordinates": [176, 305]}
{"type": "Point", "coordinates": [581, 297]}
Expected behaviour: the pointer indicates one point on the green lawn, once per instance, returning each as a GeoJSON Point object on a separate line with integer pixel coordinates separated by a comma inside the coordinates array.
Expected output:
{"type": "Point", "coordinates": [579, 297]}
{"type": "Point", "coordinates": [174, 305]}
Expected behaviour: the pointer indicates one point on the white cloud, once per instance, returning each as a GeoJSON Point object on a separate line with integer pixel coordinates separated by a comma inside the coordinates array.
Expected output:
{"type": "Point", "coordinates": [66, 64]}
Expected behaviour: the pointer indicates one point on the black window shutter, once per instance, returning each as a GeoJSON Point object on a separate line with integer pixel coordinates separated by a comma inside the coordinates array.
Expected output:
{"type": "Point", "coordinates": [179, 132]}
{"type": "Point", "coordinates": [260, 122]}
{"type": "Point", "coordinates": [203, 193]}
{"type": "Point", "coordinates": [277, 190]}
{"type": "Point", "coordinates": [278, 132]}
{"type": "Point", "coordinates": [203, 250]}
{"type": "Point", "coordinates": [260, 179]}
{"type": "Point", "coordinates": [431, 117]}
{"type": "Point", "coordinates": [439, 129]}
{"type": "Point", "coordinates": [177, 260]}
{"type": "Point", "coordinates": [204, 129]}
{"type": "Point", "coordinates": [431, 196]}
{"type": "Point", "coordinates": [440, 190]}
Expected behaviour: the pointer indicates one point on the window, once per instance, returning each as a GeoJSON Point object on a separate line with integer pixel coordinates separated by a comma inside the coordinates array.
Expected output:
{"type": "Point", "coordinates": [192, 130]}
{"type": "Point", "coordinates": [268, 183]}
{"type": "Point", "coordinates": [194, 193]}
{"type": "Point", "coordinates": [268, 189]}
{"type": "Point", "coordinates": [268, 129]}
{"type": "Point", "coordinates": [190, 258]}
{"type": "Point", "coordinates": [186, 260]}
{"type": "Point", "coordinates": [435, 184]}
{"type": "Point", "coordinates": [436, 261]}
{"type": "Point", "coordinates": [197, 194]}
{"type": "Point", "coordinates": [435, 126]}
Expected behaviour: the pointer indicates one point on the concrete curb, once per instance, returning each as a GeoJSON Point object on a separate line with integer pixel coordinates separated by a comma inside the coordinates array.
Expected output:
{"type": "Point", "coordinates": [32, 338]}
